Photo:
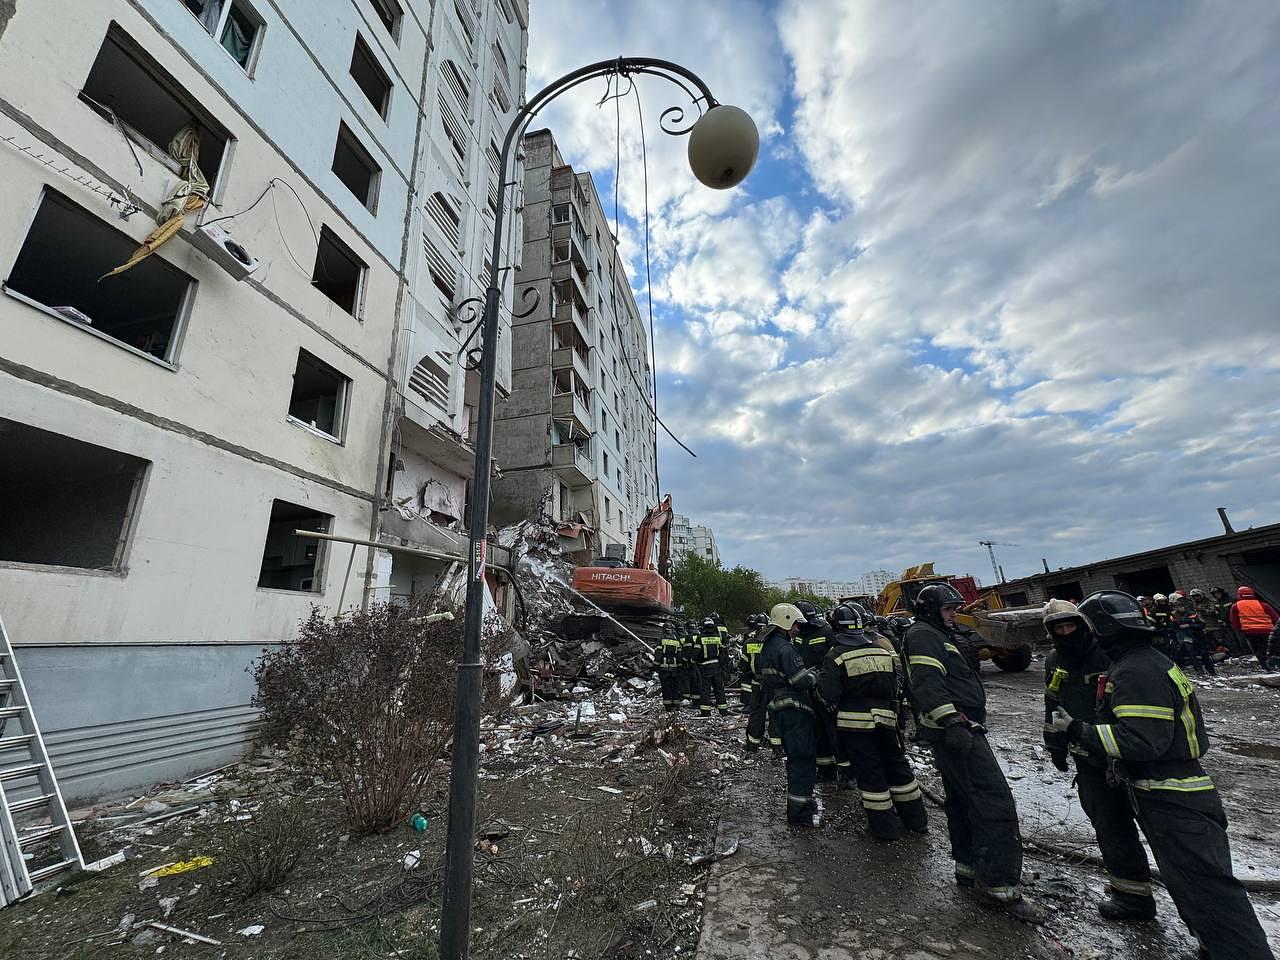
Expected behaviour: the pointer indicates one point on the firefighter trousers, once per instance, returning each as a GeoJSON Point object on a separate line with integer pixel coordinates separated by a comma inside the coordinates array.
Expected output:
{"type": "Point", "coordinates": [796, 729]}
{"type": "Point", "coordinates": [1188, 835]}
{"type": "Point", "coordinates": [670, 681]}
{"type": "Point", "coordinates": [982, 820]}
{"type": "Point", "coordinates": [1111, 813]}
{"type": "Point", "coordinates": [712, 689]}
{"type": "Point", "coordinates": [885, 780]}
{"type": "Point", "coordinates": [757, 714]}
{"type": "Point", "coordinates": [824, 743]}
{"type": "Point", "coordinates": [693, 682]}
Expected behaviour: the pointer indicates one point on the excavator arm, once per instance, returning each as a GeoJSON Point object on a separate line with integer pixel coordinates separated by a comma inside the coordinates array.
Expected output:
{"type": "Point", "coordinates": [656, 523]}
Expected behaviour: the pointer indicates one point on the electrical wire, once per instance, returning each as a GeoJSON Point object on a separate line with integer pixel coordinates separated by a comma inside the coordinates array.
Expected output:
{"type": "Point", "coordinates": [648, 281]}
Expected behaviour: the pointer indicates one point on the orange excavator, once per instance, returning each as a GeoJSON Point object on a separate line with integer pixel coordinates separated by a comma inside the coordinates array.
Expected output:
{"type": "Point", "coordinates": [638, 595]}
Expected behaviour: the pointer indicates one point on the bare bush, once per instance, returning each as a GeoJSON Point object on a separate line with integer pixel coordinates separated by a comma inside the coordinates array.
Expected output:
{"type": "Point", "coordinates": [368, 697]}
{"type": "Point", "coordinates": [261, 853]}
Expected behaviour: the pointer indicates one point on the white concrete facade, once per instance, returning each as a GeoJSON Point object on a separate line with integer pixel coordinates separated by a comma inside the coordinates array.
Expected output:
{"type": "Point", "coordinates": [137, 664]}
{"type": "Point", "coordinates": [688, 537]}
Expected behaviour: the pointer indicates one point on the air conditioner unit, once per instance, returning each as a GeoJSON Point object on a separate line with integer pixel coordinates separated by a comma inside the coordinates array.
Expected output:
{"type": "Point", "coordinates": [218, 246]}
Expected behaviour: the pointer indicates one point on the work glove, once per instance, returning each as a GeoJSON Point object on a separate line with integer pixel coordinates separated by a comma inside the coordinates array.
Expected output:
{"type": "Point", "coordinates": [1060, 761]}
{"type": "Point", "coordinates": [958, 738]}
{"type": "Point", "coordinates": [1060, 720]}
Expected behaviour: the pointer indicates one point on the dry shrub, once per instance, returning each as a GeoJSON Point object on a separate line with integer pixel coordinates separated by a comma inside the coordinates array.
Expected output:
{"type": "Point", "coordinates": [368, 697]}
{"type": "Point", "coordinates": [259, 854]}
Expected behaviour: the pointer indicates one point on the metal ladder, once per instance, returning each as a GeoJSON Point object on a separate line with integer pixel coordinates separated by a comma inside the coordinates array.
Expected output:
{"type": "Point", "coordinates": [37, 840]}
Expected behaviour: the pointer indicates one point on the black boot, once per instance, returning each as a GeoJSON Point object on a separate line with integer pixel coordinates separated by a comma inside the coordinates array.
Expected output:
{"type": "Point", "coordinates": [1127, 908]}
{"type": "Point", "coordinates": [801, 813]}
{"type": "Point", "coordinates": [884, 825]}
{"type": "Point", "coordinates": [1022, 909]}
{"type": "Point", "coordinates": [913, 815]}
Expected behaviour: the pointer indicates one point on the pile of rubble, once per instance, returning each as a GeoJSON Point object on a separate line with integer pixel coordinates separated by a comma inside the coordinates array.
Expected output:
{"type": "Point", "coordinates": [565, 652]}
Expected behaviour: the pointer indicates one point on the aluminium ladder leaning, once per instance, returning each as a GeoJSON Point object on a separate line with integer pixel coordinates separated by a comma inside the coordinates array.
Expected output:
{"type": "Point", "coordinates": [37, 840]}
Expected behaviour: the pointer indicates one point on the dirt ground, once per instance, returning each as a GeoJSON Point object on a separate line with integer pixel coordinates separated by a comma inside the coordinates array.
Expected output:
{"type": "Point", "coordinates": [836, 894]}
{"type": "Point", "coordinates": [588, 827]}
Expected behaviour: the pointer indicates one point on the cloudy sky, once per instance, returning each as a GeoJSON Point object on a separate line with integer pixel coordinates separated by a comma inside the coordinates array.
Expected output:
{"type": "Point", "coordinates": [1006, 270]}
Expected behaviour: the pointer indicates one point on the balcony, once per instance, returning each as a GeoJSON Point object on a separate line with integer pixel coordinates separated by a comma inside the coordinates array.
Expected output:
{"type": "Point", "coordinates": [571, 398]}
{"type": "Point", "coordinates": [567, 270]}
{"type": "Point", "coordinates": [572, 463]}
{"type": "Point", "coordinates": [567, 358]}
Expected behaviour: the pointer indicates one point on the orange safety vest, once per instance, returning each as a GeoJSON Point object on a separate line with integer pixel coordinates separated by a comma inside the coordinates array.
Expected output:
{"type": "Point", "coordinates": [1253, 618]}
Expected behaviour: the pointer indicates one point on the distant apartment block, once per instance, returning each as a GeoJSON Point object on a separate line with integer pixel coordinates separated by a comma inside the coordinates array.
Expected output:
{"type": "Point", "coordinates": [576, 438]}
{"type": "Point", "coordinates": [687, 537]}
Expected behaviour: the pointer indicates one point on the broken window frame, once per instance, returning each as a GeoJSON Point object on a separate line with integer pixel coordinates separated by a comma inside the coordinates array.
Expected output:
{"type": "Point", "coordinates": [181, 314]}
{"type": "Point", "coordinates": [219, 31]}
{"type": "Point", "coordinates": [128, 519]}
{"type": "Point", "coordinates": [204, 120]}
{"type": "Point", "coordinates": [362, 51]}
{"type": "Point", "coordinates": [360, 153]}
{"type": "Point", "coordinates": [319, 564]}
{"type": "Point", "coordinates": [342, 402]}
{"type": "Point", "coordinates": [340, 246]}
{"type": "Point", "coordinates": [391, 15]}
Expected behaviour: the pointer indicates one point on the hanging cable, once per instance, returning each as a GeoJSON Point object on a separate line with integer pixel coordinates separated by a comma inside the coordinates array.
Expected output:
{"type": "Point", "coordinates": [648, 282]}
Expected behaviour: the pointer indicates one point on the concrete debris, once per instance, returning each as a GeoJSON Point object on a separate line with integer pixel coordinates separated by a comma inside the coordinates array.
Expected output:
{"type": "Point", "coordinates": [411, 859]}
{"type": "Point", "coordinates": [97, 866]}
{"type": "Point", "coordinates": [252, 930]}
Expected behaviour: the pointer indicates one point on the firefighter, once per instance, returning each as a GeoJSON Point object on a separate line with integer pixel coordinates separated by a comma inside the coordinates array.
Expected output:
{"type": "Point", "coordinates": [860, 679]}
{"type": "Point", "coordinates": [711, 656]}
{"type": "Point", "coordinates": [1072, 670]}
{"type": "Point", "coordinates": [746, 663]}
{"type": "Point", "coordinates": [1158, 613]}
{"type": "Point", "coordinates": [670, 663]}
{"type": "Point", "coordinates": [950, 705]}
{"type": "Point", "coordinates": [1192, 640]}
{"type": "Point", "coordinates": [1255, 619]}
{"type": "Point", "coordinates": [1151, 733]}
{"type": "Point", "coordinates": [813, 640]}
{"type": "Point", "coordinates": [692, 671]}
{"type": "Point", "coordinates": [787, 685]}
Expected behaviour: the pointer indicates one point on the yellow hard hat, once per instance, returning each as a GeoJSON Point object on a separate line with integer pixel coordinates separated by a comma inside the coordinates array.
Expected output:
{"type": "Point", "coordinates": [785, 615]}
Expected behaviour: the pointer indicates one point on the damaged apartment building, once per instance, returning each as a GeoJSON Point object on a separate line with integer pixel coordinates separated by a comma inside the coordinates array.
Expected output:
{"type": "Point", "coordinates": [577, 437]}
{"type": "Point", "coordinates": [239, 242]}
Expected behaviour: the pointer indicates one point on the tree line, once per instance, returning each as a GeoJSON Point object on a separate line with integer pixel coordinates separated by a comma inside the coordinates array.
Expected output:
{"type": "Point", "coordinates": [701, 586]}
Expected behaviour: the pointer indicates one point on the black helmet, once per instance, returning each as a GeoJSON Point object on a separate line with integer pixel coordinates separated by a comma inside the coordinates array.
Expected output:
{"type": "Point", "coordinates": [882, 623]}
{"type": "Point", "coordinates": [930, 601]}
{"type": "Point", "coordinates": [847, 617]}
{"type": "Point", "coordinates": [715, 618]}
{"type": "Point", "coordinates": [809, 610]}
{"type": "Point", "coordinates": [708, 622]}
{"type": "Point", "coordinates": [1115, 616]}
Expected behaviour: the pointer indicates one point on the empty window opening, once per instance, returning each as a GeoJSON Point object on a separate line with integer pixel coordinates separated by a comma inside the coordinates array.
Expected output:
{"type": "Point", "coordinates": [234, 24]}
{"type": "Point", "coordinates": [440, 268]}
{"type": "Point", "coordinates": [339, 274]}
{"type": "Point", "coordinates": [356, 168]}
{"type": "Point", "coordinates": [370, 77]}
{"type": "Point", "coordinates": [319, 396]}
{"type": "Point", "coordinates": [390, 14]}
{"type": "Point", "coordinates": [291, 562]}
{"type": "Point", "coordinates": [605, 455]}
{"type": "Point", "coordinates": [65, 253]}
{"type": "Point", "coordinates": [126, 85]}
{"type": "Point", "coordinates": [76, 499]}
{"type": "Point", "coordinates": [560, 213]}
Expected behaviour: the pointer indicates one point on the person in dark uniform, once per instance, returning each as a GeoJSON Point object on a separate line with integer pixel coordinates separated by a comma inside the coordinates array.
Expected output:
{"type": "Point", "coordinates": [813, 640]}
{"type": "Point", "coordinates": [1072, 672]}
{"type": "Point", "coordinates": [670, 663]}
{"type": "Point", "coordinates": [1194, 641]}
{"type": "Point", "coordinates": [860, 680]}
{"type": "Point", "coordinates": [711, 664]}
{"type": "Point", "coordinates": [950, 704]}
{"type": "Point", "coordinates": [692, 671]}
{"type": "Point", "coordinates": [1150, 731]}
{"type": "Point", "coordinates": [787, 684]}
{"type": "Point", "coordinates": [756, 712]}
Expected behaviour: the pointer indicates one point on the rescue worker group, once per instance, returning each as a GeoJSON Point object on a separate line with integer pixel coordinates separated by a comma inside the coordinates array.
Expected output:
{"type": "Point", "coordinates": [835, 696]}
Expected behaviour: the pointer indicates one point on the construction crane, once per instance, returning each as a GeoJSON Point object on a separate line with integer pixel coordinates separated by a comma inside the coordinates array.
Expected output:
{"type": "Point", "coordinates": [995, 567]}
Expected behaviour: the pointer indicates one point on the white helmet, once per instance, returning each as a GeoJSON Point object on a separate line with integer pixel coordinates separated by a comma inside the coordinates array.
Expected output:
{"type": "Point", "coordinates": [1175, 596]}
{"type": "Point", "coordinates": [1056, 611]}
{"type": "Point", "coordinates": [785, 615]}
{"type": "Point", "coordinates": [1158, 597]}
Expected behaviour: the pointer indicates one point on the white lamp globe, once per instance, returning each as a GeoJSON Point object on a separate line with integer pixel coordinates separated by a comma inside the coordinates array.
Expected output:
{"type": "Point", "coordinates": [723, 147]}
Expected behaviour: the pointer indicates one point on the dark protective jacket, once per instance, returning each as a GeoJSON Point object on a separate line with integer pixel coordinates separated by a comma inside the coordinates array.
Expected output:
{"type": "Point", "coordinates": [689, 642]}
{"type": "Point", "coordinates": [710, 651]}
{"type": "Point", "coordinates": [786, 680]}
{"type": "Point", "coordinates": [859, 680]}
{"type": "Point", "coordinates": [1071, 682]}
{"type": "Point", "coordinates": [813, 642]}
{"type": "Point", "coordinates": [751, 645]}
{"type": "Point", "coordinates": [945, 688]}
{"type": "Point", "coordinates": [671, 653]}
{"type": "Point", "coordinates": [1150, 723]}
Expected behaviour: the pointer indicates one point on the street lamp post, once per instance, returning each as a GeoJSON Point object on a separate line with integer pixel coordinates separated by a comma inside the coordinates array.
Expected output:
{"type": "Point", "coordinates": [723, 144]}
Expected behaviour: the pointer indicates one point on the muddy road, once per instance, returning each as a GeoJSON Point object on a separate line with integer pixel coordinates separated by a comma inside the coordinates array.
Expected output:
{"type": "Point", "coordinates": [836, 894]}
